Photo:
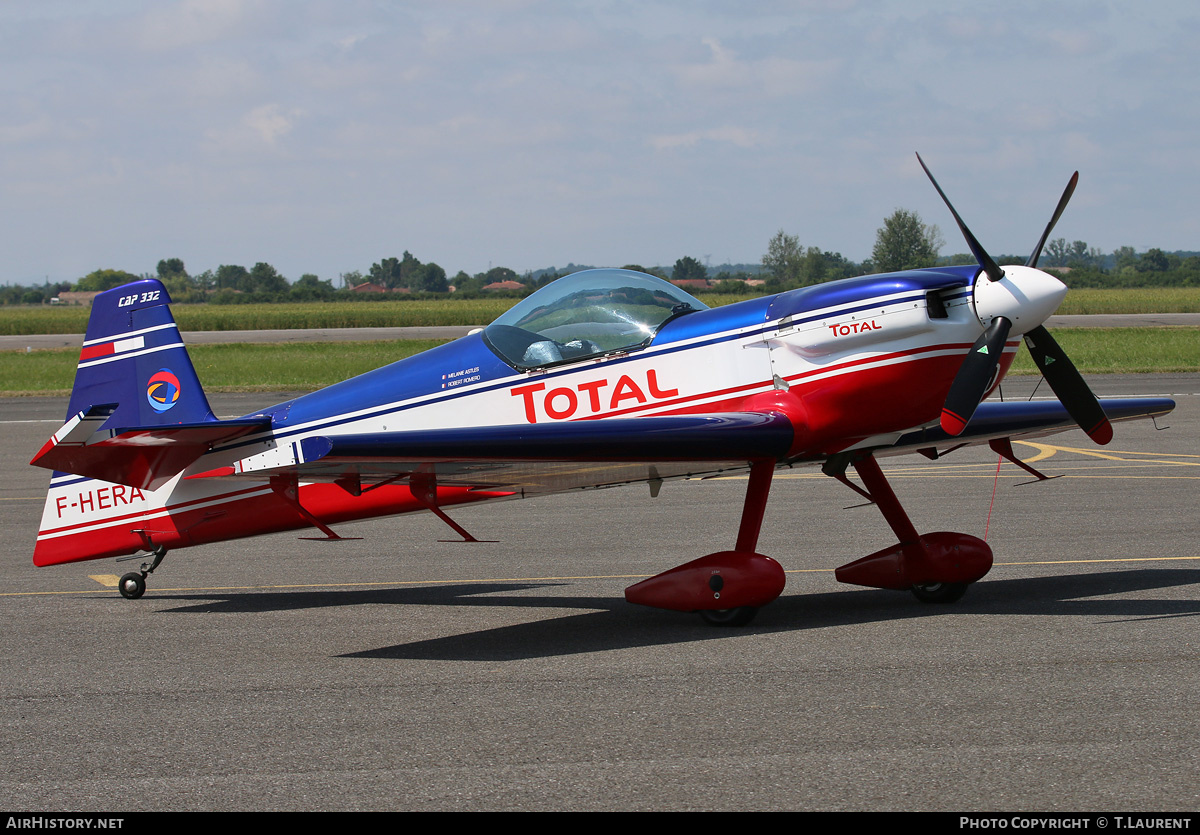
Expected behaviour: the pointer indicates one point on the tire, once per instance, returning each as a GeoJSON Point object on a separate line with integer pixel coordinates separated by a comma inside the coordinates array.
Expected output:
{"type": "Point", "coordinates": [132, 586]}
{"type": "Point", "coordinates": [740, 616]}
{"type": "Point", "coordinates": [939, 592]}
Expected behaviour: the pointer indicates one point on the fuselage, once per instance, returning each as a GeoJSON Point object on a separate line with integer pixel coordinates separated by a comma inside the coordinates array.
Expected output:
{"type": "Point", "coordinates": [848, 362]}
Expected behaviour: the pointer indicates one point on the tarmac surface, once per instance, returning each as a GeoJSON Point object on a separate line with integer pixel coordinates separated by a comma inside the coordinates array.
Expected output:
{"type": "Point", "coordinates": [402, 672]}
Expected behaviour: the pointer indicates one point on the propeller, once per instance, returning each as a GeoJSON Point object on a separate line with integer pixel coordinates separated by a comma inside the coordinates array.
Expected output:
{"type": "Point", "coordinates": [979, 367]}
{"type": "Point", "coordinates": [1062, 204]}
{"type": "Point", "coordinates": [990, 268]}
{"type": "Point", "coordinates": [1068, 385]}
{"type": "Point", "coordinates": [976, 372]}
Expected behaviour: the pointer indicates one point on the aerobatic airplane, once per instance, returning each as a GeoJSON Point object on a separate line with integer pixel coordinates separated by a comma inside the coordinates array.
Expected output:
{"type": "Point", "coordinates": [603, 377]}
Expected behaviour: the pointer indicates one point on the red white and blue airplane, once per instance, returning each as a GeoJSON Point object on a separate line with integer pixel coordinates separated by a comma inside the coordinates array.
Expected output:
{"type": "Point", "coordinates": [600, 378]}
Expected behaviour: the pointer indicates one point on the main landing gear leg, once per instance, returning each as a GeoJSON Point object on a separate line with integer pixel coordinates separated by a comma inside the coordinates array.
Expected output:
{"type": "Point", "coordinates": [936, 567]}
{"type": "Point", "coordinates": [423, 487]}
{"type": "Point", "coordinates": [133, 585]}
{"type": "Point", "coordinates": [728, 587]}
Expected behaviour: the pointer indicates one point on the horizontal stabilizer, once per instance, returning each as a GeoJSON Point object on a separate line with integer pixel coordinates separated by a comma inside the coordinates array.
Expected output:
{"type": "Point", "coordinates": [145, 457]}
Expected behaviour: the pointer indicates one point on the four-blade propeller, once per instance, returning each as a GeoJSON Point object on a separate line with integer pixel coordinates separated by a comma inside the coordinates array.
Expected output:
{"type": "Point", "coordinates": [978, 369]}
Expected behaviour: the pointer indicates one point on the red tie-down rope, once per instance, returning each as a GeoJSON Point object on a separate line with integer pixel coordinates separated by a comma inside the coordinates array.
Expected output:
{"type": "Point", "coordinates": [986, 524]}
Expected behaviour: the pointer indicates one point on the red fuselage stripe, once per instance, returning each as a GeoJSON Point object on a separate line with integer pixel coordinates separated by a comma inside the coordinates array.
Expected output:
{"type": "Point", "coordinates": [833, 369]}
{"type": "Point", "coordinates": [167, 510]}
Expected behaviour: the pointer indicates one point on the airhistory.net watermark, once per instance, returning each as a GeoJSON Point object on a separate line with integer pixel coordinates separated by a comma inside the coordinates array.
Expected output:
{"type": "Point", "coordinates": [50, 822]}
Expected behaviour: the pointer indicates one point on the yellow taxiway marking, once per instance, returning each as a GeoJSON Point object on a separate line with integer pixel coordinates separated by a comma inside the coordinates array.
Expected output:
{"type": "Point", "coordinates": [1047, 450]}
{"type": "Point", "coordinates": [102, 578]}
{"type": "Point", "coordinates": [1040, 562]}
{"type": "Point", "coordinates": [1114, 559]}
{"type": "Point", "coordinates": [986, 470]}
{"type": "Point", "coordinates": [1013, 473]}
{"type": "Point", "coordinates": [1124, 459]}
{"type": "Point", "coordinates": [391, 584]}
{"type": "Point", "coordinates": [109, 580]}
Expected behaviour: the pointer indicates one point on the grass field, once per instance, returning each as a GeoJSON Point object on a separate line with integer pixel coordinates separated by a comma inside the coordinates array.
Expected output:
{"type": "Point", "coordinates": [292, 366]}
{"type": "Point", "coordinates": [214, 317]}
{"type": "Point", "coordinates": [301, 366]}
{"type": "Point", "coordinates": [1124, 350]}
{"type": "Point", "coordinates": [17, 320]}
{"type": "Point", "coordinates": [1143, 300]}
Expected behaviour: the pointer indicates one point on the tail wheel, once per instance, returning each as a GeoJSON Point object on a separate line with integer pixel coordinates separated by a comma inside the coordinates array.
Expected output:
{"type": "Point", "coordinates": [132, 586]}
{"type": "Point", "coordinates": [939, 592]}
{"type": "Point", "coordinates": [740, 616]}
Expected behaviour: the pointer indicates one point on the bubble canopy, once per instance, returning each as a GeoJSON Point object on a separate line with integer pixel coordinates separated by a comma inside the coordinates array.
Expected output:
{"type": "Point", "coordinates": [587, 314]}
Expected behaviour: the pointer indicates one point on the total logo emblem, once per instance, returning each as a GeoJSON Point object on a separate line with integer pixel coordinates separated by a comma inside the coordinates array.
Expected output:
{"type": "Point", "coordinates": [162, 390]}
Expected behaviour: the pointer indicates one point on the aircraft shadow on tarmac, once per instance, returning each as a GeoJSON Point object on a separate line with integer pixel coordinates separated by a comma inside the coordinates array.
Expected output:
{"type": "Point", "coordinates": [611, 623]}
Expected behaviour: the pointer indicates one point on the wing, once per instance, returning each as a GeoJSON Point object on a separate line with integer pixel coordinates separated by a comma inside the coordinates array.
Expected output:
{"type": "Point", "coordinates": [1021, 419]}
{"type": "Point", "coordinates": [533, 459]}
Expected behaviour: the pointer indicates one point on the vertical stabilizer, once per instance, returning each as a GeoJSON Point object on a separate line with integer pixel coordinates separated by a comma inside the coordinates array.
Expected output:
{"type": "Point", "coordinates": [133, 372]}
{"type": "Point", "coordinates": [133, 357]}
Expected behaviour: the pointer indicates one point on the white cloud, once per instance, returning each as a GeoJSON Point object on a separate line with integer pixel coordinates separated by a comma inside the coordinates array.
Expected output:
{"type": "Point", "coordinates": [770, 75]}
{"type": "Point", "coordinates": [270, 122]}
{"type": "Point", "coordinates": [260, 128]}
{"type": "Point", "coordinates": [732, 134]}
{"type": "Point", "coordinates": [26, 132]}
{"type": "Point", "coordinates": [170, 26]}
{"type": "Point", "coordinates": [613, 126]}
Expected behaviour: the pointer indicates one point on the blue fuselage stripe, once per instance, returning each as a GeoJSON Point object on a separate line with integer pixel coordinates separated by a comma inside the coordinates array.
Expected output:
{"type": "Point", "coordinates": [507, 381]}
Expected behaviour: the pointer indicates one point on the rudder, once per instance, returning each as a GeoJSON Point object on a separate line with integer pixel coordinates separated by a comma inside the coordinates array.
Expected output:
{"type": "Point", "coordinates": [133, 357]}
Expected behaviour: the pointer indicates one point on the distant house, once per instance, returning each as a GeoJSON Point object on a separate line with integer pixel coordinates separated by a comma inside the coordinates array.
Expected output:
{"type": "Point", "coordinates": [77, 296]}
{"type": "Point", "coordinates": [504, 285]}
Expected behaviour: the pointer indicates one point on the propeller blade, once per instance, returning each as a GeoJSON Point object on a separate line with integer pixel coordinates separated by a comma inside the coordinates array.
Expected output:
{"type": "Point", "coordinates": [1068, 385]}
{"type": "Point", "coordinates": [976, 371]}
{"type": "Point", "coordinates": [1062, 204]}
{"type": "Point", "coordinates": [985, 261]}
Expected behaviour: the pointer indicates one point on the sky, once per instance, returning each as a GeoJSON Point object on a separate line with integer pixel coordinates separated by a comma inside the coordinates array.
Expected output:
{"type": "Point", "coordinates": [322, 136]}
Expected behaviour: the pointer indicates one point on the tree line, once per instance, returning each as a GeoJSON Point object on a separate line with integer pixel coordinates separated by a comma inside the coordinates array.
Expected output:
{"type": "Point", "coordinates": [903, 242]}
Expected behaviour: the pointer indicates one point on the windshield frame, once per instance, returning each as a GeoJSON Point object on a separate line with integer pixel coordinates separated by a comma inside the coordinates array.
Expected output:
{"type": "Point", "coordinates": [587, 315]}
